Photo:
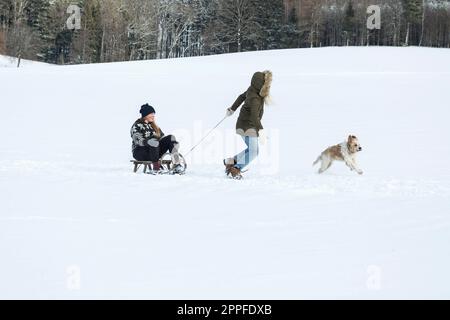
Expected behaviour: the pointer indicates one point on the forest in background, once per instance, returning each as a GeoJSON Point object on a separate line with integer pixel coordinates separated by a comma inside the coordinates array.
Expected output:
{"type": "Point", "coordinates": [121, 30]}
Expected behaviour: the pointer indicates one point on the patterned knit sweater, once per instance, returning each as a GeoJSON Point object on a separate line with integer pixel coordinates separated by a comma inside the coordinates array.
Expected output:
{"type": "Point", "coordinates": [143, 134]}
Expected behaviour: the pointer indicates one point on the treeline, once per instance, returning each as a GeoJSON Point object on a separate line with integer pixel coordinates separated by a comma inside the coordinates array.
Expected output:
{"type": "Point", "coordinates": [403, 23]}
{"type": "Point", "coordinates": [124, 30]}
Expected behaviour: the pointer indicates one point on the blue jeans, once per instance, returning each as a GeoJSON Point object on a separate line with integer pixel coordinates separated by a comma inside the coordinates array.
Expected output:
{"type": "Point", "coordinates": [244, 158]}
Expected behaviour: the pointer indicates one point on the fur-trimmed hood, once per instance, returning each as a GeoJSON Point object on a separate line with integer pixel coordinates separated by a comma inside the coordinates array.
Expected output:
{"type": "Point", "coordinates": [261, 82]}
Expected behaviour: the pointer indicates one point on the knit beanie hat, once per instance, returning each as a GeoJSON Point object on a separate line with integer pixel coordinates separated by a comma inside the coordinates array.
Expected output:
{"type": "Point", "coordinates": [146, 109]}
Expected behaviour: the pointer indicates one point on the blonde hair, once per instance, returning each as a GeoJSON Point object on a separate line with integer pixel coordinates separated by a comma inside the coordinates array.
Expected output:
{"type": "Point", "coordinates": [156, 128]}
{"type": "Point", "coordinates": [265, 90]}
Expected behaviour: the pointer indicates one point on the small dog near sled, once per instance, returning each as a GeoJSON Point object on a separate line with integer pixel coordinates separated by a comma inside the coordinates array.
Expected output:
{"type": "Point", "coordinates": [345, 151]}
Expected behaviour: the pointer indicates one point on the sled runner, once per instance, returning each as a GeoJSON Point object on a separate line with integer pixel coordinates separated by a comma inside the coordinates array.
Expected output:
{"type": "Point", "coordinates": [167, 166]}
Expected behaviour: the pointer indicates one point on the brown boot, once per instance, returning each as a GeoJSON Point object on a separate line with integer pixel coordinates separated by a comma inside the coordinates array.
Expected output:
{"type": "Point", "coordinates": [229, 163]}
{"type": "Point", "coordinates": [235, 173]}
{"type": "Point", "coordinates": [228, 168]}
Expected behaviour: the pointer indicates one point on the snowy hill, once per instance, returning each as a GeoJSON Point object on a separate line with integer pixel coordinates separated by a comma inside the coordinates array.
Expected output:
{"type": "Point", "coordinates": [75, 222]}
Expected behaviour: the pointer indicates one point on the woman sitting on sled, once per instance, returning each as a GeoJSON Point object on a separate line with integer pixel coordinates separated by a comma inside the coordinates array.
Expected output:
{"type": "Point", "coordinates": [150, 143]}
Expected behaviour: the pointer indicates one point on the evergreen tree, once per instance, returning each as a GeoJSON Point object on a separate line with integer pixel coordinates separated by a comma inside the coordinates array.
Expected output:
{"type": "Point", "coordinates": [91, 33]}
{"type": "Point", "coordinates": [270, 20]}
{"type": "Point", "coordinates": [349, 27]}
{"type": "Point", "coordinates": [413, 15]}
{"type": "Point", "coordinates": [38, 18]}
{"type": "Point", "coordinates": [58, 37]}
{"type": "Point", "coordinates": [290, 32]}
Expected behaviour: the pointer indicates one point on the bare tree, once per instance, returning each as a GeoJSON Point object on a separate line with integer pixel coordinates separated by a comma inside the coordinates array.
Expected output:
{"type": "Point", "coordinates": [19, 7]}
{"type": "Point", "coordinates": [174, 20]}
{"type": "Point", "coordinates": [23, 41]}
{"type": "Point", "coordinates": [114, 24]}
{"type": "Point", "coordinates": [237, 22]}
{"type": "Point", "coordinates": [142, 28]}
{"type": "Point", "coordinates": [19, 38]}
{"type": "Point", "coordinates": [2, 43]}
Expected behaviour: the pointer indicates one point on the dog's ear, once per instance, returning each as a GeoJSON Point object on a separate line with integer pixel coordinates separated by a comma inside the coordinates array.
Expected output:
{"type": "Point", "coordinates": [350, 137]}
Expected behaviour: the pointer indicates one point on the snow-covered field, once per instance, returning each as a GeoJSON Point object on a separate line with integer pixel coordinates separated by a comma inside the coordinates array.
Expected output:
{"type": "Point", "coordinates": [75, 222]}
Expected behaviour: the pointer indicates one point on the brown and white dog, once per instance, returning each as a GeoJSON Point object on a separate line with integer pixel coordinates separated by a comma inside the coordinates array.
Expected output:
{"type": "Point", "coordinates": [346, 151]}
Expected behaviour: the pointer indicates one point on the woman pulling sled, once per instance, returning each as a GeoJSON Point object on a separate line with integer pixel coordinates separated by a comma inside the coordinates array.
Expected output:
{"type": "Point", "coordinates": [249, 125]}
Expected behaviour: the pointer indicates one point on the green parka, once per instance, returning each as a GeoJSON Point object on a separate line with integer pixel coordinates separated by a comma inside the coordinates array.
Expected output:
{"type": "Point", "coordinates": [249, 121]}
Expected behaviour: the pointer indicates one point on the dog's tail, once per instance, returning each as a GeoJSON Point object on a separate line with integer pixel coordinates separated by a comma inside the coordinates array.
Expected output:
{"type": "Point", "coordinates": [317, 161]}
